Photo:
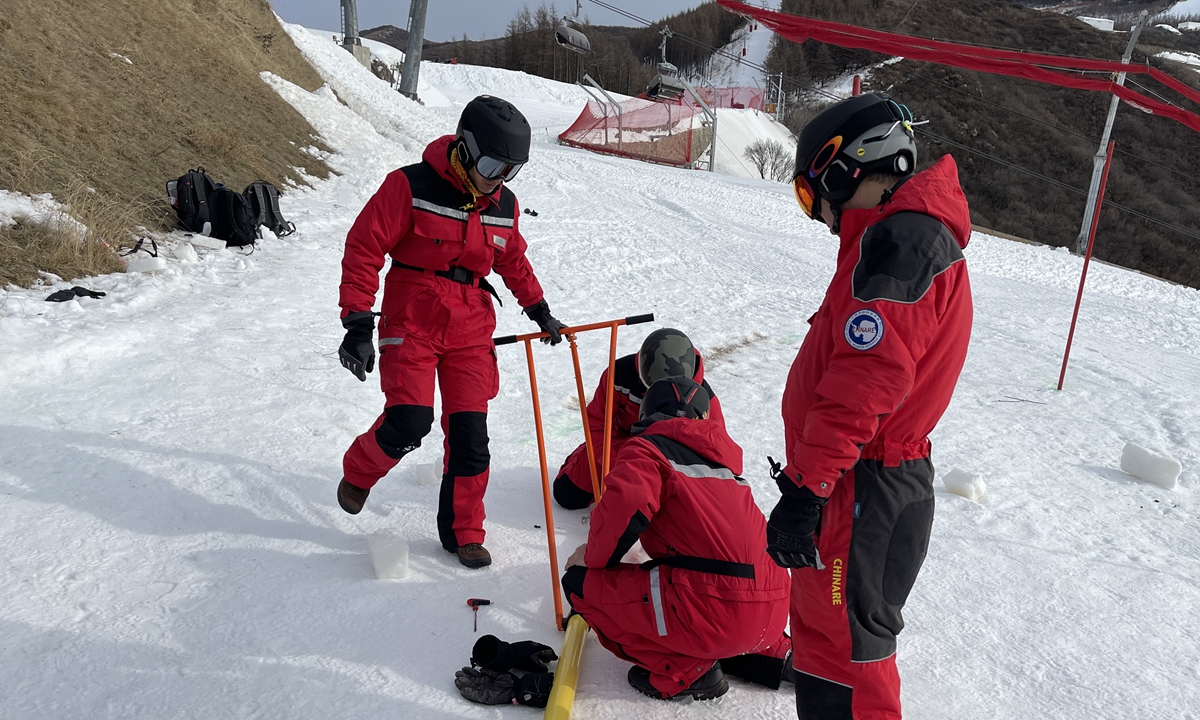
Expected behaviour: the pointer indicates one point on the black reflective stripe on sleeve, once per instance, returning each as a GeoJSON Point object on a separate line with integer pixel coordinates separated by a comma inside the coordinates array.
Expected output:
{"type": "Point", "coordinates": [637, 525]}
{"type": "Point", "coordinates": [626, 380]}
{"type": "Point", "coordinates": [900, 256]}
{"type": "Point", "coordinates": [708, 388]}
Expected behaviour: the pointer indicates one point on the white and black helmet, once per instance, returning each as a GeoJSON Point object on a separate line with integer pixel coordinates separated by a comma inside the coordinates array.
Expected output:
{"type": "Point", "coordinates": [846, 143]}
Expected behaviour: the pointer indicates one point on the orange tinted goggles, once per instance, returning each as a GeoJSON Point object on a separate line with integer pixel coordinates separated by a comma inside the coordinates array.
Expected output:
{"type": "Point", "coordinates": [804, 194]}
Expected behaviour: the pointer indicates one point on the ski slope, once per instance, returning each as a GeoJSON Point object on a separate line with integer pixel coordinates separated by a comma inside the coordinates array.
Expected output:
{"type": "Point", "coordinates": [169, 454]}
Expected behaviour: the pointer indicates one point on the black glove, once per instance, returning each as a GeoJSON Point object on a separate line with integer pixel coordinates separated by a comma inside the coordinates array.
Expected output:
{"type": "Point", "coordinates": [792, 523]}
{"type": "Point", "coordinates": [539, 312]}
{"type": "Point", "coordinates": [486, 686]}
{"type": "Point", "coordinates": [492, 653]}
{"type": "Point", "coordinates": [357, 352]}
{"type": "Point", "coordinates": [491, 687]}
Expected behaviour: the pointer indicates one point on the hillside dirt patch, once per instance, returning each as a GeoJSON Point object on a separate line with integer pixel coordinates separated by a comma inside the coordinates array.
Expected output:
{"type": "Point", "coordinates": [121, 96]}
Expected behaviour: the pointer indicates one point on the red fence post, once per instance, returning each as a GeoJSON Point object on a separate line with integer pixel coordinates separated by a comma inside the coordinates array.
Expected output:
{"type": "Point", "coordinates": [1087, 259]}
{"type": "Point", "coordinates": [857, 85]}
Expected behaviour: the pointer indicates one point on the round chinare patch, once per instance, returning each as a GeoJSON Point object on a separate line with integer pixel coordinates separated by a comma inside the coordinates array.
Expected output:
{"type": "Point", "coordinates": [864, 330]}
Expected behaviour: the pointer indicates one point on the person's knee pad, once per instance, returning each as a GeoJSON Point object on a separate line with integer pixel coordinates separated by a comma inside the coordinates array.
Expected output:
{"type": "Point", "coordinates": [569, 495]}
{"type": "Point", "coordinates": [467, 438]}
{"type": "Point", "coordinates": [572, 582]}
{"type": "Point", "coordinates": [403, 428]}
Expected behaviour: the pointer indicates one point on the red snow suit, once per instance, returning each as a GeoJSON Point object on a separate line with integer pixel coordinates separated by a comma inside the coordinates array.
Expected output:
{"type": "Point", "coordinates": [873, 376]}
{"type": "Point", "coordinates": [438, 320]}
{"type": "Point", "coordinates": [573, 486]}
{"type": "Point", "coordinates": [710, 591]}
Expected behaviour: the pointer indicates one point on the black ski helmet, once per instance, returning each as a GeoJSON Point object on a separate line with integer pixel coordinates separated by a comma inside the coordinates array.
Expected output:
{"type": "Point", "coordinates": [848, 141]}
{"type": "Point", "coordinates": [675, 397]}
{"type": "Point", "coordinates": [493, 137]}
{"type": "Point", "coordinates": [664, 353]}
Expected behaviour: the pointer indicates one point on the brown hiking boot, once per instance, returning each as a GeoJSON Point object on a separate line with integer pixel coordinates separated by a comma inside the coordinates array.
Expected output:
{"type": "Point", "coordinates": [352, 497]}
{"type": "Point", "coordinates": [474, 555]}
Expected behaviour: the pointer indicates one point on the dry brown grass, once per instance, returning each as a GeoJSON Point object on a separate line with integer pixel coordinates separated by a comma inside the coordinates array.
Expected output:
{"type": "Point", "coordinates": [72, 113]}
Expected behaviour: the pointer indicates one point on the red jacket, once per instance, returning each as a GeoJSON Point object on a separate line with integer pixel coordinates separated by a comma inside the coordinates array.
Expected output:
{"type": "Point", "coordinates": [880, 362]}
{"type": "Point", "coordinates": [675, 486]}
{"type": "Point", "coordinates": [423, 216]}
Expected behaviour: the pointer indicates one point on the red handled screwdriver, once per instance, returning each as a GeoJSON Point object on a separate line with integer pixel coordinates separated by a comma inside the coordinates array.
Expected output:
{"type": "Point", "coordinates": [474, 604]}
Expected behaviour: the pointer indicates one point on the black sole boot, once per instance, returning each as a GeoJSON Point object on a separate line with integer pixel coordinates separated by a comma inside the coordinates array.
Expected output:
{"type": "Point", "coordinates": [709, 686]}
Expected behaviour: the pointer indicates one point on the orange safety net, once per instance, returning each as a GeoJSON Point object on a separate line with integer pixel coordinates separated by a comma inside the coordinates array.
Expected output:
{"type": "Point", "coordinates": [661, 132]}
{"type": "Point", "coordinates": [738, 98]}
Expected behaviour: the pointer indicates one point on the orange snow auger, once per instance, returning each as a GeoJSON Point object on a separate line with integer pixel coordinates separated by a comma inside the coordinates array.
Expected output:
{"type": "Point", "coordinates": [597, 480]}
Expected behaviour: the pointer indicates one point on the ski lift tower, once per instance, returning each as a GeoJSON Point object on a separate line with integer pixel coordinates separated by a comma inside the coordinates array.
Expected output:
{"type": "Point", "coordinates": [350, 39]}
{"type": "Point", "coordinates": [412, 50]}
{"type": "Point", "coordinates": [667, 86]}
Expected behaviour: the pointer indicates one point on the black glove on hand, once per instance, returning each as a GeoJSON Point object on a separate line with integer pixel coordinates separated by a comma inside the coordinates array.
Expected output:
{"type": "Point", "coordinates": [539, 312]}
{"type": "Point", "coordinates": [357, 352]}
{"type": "Point", "coordinates": [486, 686]}
{"type": "Point", "coordinates": [492, 653]}
{"type": "Point", "coordinates": [792, 523]}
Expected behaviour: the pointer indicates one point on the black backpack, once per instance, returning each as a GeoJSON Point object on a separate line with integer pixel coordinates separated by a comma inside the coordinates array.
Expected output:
{"type": "Point", "coordinates": [189, 195]}
{"type": "Point", "coordinates": [231, 218]}
{"type": "Point", "coordinates": [263, 200]}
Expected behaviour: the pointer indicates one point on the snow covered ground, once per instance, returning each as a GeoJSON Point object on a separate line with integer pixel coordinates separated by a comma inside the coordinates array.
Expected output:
{"type": "Point", "coordinates": [169, 454]}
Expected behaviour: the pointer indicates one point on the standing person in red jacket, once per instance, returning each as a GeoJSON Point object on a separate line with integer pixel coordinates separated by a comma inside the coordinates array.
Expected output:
{"type": "Point", "coordinates": [873, 376]}
{"type": "Point", "coordinates": [710, 591]}
{"type": "Point", "coordinates": [664, 353]}
{"type": "Point", "coordinates": [446, 222]}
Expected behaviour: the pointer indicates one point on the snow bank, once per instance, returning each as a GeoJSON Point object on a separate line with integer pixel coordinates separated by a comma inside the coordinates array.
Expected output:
{"type": "Point", "coordinates": [737, 129]}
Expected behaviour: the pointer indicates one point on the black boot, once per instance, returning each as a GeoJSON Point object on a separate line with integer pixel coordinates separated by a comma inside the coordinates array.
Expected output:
{"type": "Point", "coordinates": [709, 686]}
{"type": "Point", "coordinates": [352, 497]}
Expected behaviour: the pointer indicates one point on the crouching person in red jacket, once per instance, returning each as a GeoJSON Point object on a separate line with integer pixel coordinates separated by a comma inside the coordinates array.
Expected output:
{"type": "Point", "coordinates": [710, 591]}
{"type": "Point", "coordinates": [664, 353]}
{"type": "Point", "coordinates": [446, 222]}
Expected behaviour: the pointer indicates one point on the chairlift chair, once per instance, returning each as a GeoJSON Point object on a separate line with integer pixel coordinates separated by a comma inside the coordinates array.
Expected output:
{"type": "Point", "coordinates": [666, 84]}
{"type": "Point", "coordinates": [571, 39]}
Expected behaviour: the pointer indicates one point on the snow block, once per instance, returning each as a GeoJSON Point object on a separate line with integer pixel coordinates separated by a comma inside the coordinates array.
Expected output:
{"type": "Point", "coordinates": [428, 474]}
{"type": "Point", "coordinates": [186, 253]}
{"type": "Point", "coordinates": [389, 555]}
{"type": "Point", "coordinates": [145, 264]}
{"type": "Point", "coordinates": [965, 484]}
{"type": "Point", "coordinates": [1151, 467]}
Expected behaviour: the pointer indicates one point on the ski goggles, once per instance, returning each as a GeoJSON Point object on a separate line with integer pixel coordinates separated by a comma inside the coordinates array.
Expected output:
{"type": "Point", "coordinates": [804, 194]}
{"type": "Point", "coordinates": [492, 169]}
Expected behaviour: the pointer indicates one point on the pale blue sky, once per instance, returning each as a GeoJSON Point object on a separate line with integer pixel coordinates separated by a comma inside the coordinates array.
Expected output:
{"type": "Point", "coordinates": [449, 19]}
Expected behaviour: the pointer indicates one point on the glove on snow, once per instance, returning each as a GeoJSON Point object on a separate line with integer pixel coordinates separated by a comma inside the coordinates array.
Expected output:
{"type": "Point", "coordinates": [492, 653]}
{"type": "Point", "coordinates": [357, 352]}
{"type": "Point", "coordinates": [539, 312]}
{"type": "Point", "coordinates": [491, 687]}
{"type": "Point", "coordinates": [792, 524]}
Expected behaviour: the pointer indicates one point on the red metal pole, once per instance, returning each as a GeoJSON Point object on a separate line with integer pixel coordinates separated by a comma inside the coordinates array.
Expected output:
{"type": "Point", "coordinates": [541, 441]}
{"type": "Point", "coordinates": [1087, 259]}
{"type": "Point", "coordinates": [857, 85]}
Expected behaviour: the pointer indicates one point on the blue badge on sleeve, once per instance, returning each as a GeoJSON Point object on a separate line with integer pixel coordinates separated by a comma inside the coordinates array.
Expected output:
{"type": "Point", "coordinates": [864, 330]}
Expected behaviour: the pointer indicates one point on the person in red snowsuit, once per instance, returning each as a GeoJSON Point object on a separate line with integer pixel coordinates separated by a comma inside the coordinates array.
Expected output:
{"type": "Point", "coordinates": [709, 591]}
{"type": "Point", "coordinates": [446, 222]}
{"type": "Point", "coordinates": [871, 380]}
{"type": "Point", "coordinates": [664, 353]}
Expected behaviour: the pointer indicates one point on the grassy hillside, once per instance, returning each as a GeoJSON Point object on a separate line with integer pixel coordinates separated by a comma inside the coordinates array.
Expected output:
{"type": "Point", "coordinates": [123, 95]}
{"type": "Point", "coordinates": [1007, 118]}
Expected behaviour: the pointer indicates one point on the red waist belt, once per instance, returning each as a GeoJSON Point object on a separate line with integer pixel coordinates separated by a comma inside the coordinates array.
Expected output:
{"type": "Point", "coordinates": [892, 453]}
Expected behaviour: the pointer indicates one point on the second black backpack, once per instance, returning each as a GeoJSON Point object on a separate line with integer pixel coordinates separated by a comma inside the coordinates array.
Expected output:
{"type": "Point", "coordinates": [232, 220]}
{"type": "Point", "coordinates": [263, 199]}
